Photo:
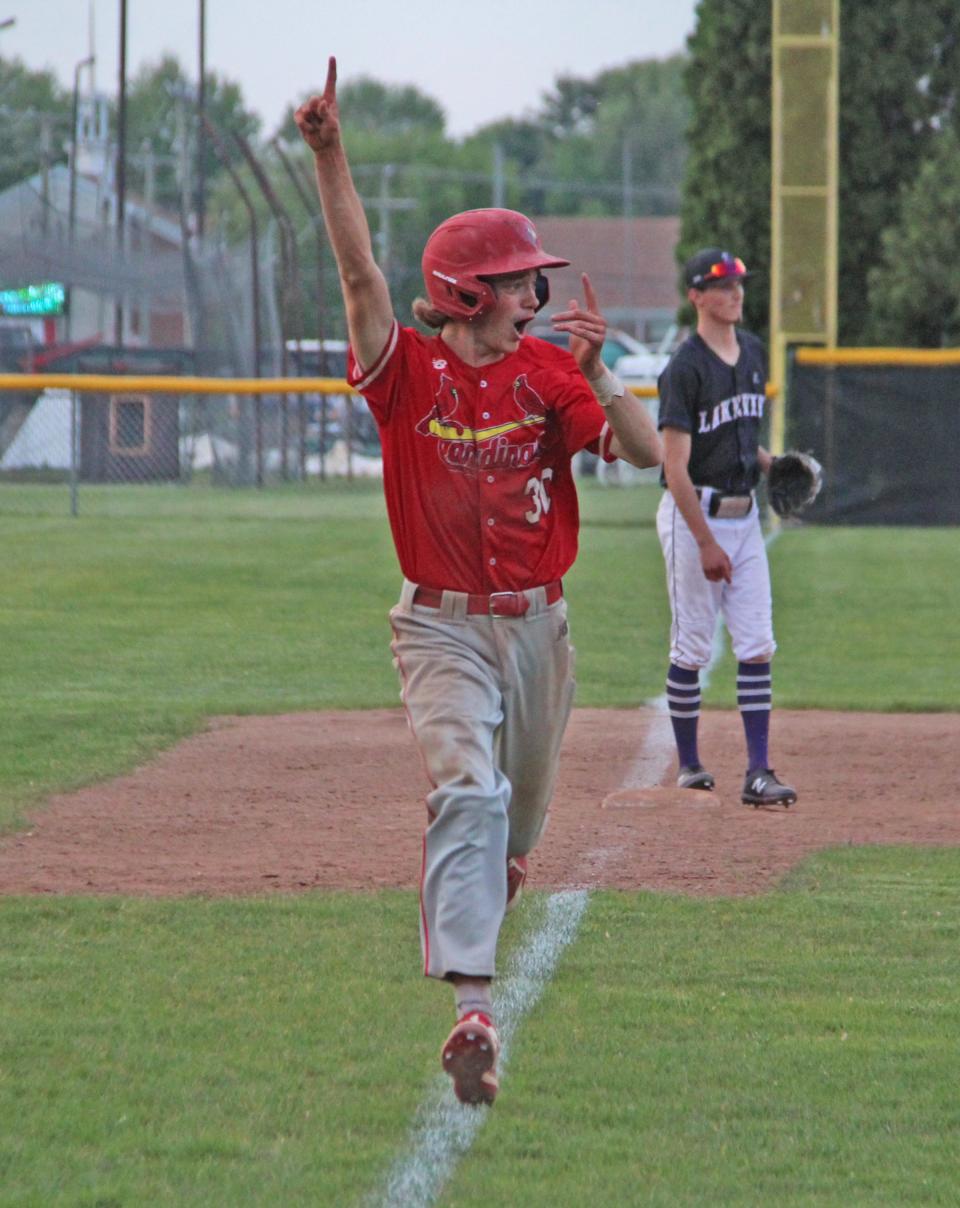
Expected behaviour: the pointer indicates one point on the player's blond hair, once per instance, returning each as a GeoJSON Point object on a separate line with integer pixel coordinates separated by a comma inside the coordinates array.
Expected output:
{"type": "Point", "coordinates": [428, 315]}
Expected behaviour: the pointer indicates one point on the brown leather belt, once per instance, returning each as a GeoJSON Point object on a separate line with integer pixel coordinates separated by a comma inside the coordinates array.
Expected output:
{"type": "Point", "coordinates": [499, 604]}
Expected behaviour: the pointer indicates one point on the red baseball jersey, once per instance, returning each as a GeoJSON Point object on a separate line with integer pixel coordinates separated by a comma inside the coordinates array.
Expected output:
{"type": "Point", "coordinates": [476, 461]}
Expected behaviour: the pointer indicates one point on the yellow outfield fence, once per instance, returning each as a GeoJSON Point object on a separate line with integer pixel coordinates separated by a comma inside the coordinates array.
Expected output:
{"type": "Point", "coordinates": [922, 357]}
{"type": "Point", "coordinates": [108, 383]}
{"type": "Point", "coordinates": [87, 428]}
{"type": "Point", "coordinates": [113, 383]}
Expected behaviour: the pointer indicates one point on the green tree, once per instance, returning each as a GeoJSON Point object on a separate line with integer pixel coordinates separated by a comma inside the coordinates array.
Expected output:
{"type": "Point", "coordinates": [899, 66]}
{"type": "Point", "coordinates": [161, 109]}
{"type": "Point", "coordinates": [899, 70]}
{"type": "Point", "coordinates": [571, 108]}
{"type": "Point", "coordinates": [726, 191]}
{"type": "Point", "coordinates": [914, 298]}
{"type": "Point", "coordinates": [617, 138]}
{"type": "Point", "coordinates": [35, 114]}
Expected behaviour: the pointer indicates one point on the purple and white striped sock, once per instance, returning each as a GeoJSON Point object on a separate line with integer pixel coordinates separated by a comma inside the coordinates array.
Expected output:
{"type": "Point", "coordinates": [755, 699]}
{"type": "Point", "coordinates": [683, 701]}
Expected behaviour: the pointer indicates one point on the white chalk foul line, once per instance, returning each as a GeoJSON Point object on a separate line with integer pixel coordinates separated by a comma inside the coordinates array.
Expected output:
{"type": "Point", "coordinates": [444, 1129]}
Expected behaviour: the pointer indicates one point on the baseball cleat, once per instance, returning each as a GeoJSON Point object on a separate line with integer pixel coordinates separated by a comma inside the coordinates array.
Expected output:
{"type": "Point", "coordinates": [469, 1056]}
{"type": "Point", "coordinates": [516, 875]}
{"type": "Point", "coordinates": [694, 776]}
{"type": "Point", "coordinates": [761, 787]}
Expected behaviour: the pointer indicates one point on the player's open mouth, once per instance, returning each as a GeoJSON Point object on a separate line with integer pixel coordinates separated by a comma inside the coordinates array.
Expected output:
{"type": "Point", "coordinates": [521, 325]}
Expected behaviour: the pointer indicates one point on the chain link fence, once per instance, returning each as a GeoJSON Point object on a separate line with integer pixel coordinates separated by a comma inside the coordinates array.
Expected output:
{"type": "Point", "coordinates": [135, 435]}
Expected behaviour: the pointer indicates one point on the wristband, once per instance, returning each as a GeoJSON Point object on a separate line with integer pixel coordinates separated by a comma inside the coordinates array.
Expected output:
{"type": "Point", "coordinates": [607, 387]}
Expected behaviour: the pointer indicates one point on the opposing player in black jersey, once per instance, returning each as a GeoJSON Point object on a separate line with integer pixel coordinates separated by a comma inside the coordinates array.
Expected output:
{"type": "Point", "coordinates": [712, 401]}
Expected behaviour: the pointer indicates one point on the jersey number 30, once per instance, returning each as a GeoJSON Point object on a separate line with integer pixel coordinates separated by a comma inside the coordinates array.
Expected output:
{"type": "Point", "coordinates": [537, 490]}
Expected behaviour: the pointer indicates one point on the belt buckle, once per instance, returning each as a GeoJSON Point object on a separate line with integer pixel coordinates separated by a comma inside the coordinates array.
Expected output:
{"type": "Point", "coordinates": [731, 507]}
{"type": "Point", "coordinates": [507, 604]}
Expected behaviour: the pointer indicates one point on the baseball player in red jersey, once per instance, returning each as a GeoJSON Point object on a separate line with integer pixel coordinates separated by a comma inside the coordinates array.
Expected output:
{"type": "Point", "coordinates": [478, 425]}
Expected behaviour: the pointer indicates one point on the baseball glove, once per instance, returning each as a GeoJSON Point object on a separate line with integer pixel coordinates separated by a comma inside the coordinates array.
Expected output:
{"type": "Point", "coordinates": [794, 482]}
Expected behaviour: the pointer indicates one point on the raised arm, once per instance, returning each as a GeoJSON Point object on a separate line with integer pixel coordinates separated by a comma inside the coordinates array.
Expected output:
{"type": "Point", "coordinates": [365, 292]}
{"type": "Point", "coordinates": [635, 437]}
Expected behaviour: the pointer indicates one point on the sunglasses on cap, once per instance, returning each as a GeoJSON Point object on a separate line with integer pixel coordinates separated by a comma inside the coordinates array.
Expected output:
{"type": "Point", "coordinates": [734, 267]}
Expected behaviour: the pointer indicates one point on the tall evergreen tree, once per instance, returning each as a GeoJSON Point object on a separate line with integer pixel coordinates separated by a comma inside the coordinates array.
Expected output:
{"type": "Point", "coordinates": [899, 67]}
{"type": "Point", "coordinates": [899, 73]}
{"type": "Point", "coordinates": [914, 295]}
{"type": "Point", "coordinates": [726, 192]}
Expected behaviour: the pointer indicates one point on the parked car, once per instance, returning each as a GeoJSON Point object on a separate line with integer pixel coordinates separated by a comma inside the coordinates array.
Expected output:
{"type": "Point", "coordinates": [643, 367]}
{"type": "Point", "coordinates": [646, 366]}
{"type": "Point", "coordinates": [16, 347]}
{"type": "Point", "coordinates": [305, 357]}
{"type": "Point", "coordinates": [332, 417]}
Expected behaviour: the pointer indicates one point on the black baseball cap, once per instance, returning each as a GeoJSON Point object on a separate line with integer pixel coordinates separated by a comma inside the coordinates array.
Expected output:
{"type": "Point", "coordinates": [712, 264]}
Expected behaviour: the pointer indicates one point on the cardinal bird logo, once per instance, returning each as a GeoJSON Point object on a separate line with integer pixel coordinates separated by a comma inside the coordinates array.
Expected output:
{"type": "Point", "coordinates": [441, 420]}
{"type": "Point", "coordinates": [528, 402]}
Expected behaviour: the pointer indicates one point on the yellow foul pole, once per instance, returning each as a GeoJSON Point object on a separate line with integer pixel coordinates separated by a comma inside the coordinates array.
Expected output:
{"type": "Point", "coordinates": [804, 181]}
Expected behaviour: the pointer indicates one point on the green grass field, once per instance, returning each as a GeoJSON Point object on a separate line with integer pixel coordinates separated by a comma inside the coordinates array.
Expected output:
{"type": "Point", "coordinates": [797, 1048]}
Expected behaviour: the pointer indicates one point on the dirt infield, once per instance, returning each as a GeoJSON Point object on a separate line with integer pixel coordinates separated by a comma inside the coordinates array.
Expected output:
{"type": "Point", "coordinates": [335, 801]}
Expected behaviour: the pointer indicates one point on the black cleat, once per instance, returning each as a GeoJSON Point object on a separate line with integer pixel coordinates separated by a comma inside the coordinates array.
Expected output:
{"type": "Point", "coordinates": [761, 787]}
{"type": "Point", "coordinates": [695, 777]}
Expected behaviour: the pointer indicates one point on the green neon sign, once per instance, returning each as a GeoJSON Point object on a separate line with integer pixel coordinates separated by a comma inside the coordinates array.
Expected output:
{"type": "Point", "coordinates": [41, 301]}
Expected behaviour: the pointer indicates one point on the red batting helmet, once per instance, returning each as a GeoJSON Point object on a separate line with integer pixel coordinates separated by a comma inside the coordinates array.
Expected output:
{"type": "Point", "coordinates": [470, 247]}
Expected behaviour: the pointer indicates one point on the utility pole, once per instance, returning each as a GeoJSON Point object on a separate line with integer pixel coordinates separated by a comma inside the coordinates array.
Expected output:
{"type": "Point", "coordinates": [385, 204]}
{"type": "Point", "coordinates": [201, 113]}
{"type": "Point", "coordinates": [121, 162]}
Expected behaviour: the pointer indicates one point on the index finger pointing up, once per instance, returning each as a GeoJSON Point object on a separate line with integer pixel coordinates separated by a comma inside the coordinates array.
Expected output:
{"type": "Point", "coordinates": [589, 294]}
{"type": "Point", "coordinates": [330, 88]}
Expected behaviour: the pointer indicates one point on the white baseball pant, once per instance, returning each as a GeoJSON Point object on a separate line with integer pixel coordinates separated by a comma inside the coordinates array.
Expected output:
{"type": "Point", "coordinates": [487, 699]}
{"type": "Point", "coordinates": [745, 603]}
